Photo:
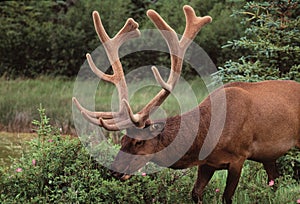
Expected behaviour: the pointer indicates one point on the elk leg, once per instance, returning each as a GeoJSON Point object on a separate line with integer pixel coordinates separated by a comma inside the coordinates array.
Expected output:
{"type": "Point", "coordinates": [271, 170]}
{"type": "Point", "coordinates": [234, 173]}
{"type": "Point", "coordinates": [205, 173]}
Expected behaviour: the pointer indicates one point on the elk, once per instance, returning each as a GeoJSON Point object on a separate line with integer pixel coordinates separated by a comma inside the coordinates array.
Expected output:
{"type": "Point", "coordinates": [262, 120]}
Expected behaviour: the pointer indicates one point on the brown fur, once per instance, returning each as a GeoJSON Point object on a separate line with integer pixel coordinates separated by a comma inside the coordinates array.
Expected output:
{"type": "Point", "coordinates": [262, 123]}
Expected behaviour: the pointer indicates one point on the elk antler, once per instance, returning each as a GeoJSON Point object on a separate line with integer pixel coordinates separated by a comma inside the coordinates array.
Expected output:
{"type": "Point", "coordinates": [111, 46]}
{"type": "Point", "coordinates": [177, 50]}
{"type": "Point", "coordinates": [125, 117]}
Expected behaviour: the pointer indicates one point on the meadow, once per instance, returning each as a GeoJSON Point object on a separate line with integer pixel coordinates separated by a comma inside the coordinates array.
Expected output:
{"type": "Point", "coordinates": [22, 97]}
{"type": "Point", "coordinates": [13, 145]}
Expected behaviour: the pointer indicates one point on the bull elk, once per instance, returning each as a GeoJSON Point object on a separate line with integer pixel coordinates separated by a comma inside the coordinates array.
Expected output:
{"type": "Point", "coordinates": [262, 119]}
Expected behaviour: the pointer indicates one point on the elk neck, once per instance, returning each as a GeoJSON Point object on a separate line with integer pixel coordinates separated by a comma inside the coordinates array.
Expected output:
{"type": "Point", "coordinates": [179, 144]}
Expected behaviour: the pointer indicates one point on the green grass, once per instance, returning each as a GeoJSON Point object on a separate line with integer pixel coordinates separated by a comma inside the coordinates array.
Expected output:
{"type": "Point", "coordinates": [12, 145]}
{"type": "Point", "coordinates": [21, 98]}
{"type": "Point", "coordinates": [253, 187]}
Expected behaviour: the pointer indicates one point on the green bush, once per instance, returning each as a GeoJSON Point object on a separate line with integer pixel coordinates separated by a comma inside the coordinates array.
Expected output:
{"type": "Point", "coordinates": [270, 46]}
{"type": "Point", "coordinates": [58, 169]}
{"type": "Point", "coordinates": [289, 164]}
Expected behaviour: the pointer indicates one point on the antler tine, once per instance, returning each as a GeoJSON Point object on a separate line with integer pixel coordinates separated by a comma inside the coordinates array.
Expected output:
{"type": "Point", "coordinates": [90, 119]}
{"type": "Point", "coordinates": [109, 120]}
{"type": "Point", "coordinates": [121, 123]}
{"type": "Point", "coordinates": [129, 30]}
{"type": "Point", "coordinates": [115, 126]}
{"type": "Point", "coordinates": [159, 79]}
{"type": "Point", "coordinates": [104, 115]}
{"type": "Point", "coordinates": [193, 25]}
{"type": "Point", "coordinates": [177, 50]}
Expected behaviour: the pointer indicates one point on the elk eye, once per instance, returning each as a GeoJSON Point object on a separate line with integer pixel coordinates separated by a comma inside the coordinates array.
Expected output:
{"type": "Point", "coordinates": [139, 143]}
{"type": "Point", "coordinates": [156, 127]}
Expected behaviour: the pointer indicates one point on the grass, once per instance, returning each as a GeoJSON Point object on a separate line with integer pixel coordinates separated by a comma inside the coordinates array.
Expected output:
{"type": "Point", "coordinates": [12, 145]}
{"type": "Point", "coordinates": [21, 98]}
{"type": "Point", "coordinates": [253, 187]}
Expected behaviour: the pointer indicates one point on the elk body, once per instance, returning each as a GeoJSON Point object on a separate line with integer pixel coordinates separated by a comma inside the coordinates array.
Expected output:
{"type": "Point", "coordinates": [262, 120]}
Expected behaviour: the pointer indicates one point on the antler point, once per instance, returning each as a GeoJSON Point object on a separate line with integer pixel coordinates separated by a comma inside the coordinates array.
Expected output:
{"type": "Point", "coordinates": [151, 12]}
{"type": "Point", "coordinates": [209, 17]}
{"type": "Point", "coordinates": [187, 7]}
{"type": "Point", "coordinates": [133, 22]}
{"type": "Point", "coordinates": [74, 100]}
{"type": "Point", "coordinates": [96, 14]}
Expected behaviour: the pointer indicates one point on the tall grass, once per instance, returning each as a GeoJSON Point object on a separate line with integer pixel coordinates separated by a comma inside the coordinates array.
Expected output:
{"type": "Point", "coordinates": [21, 98]}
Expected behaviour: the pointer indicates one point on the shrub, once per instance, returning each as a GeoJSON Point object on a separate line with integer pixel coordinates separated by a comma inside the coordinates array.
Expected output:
{"type": "Point", "coordinates": [271, 43]}
{"type": "Point", "coordinates": [289, 164]}
{"type": "Point", "coordinates": [58, 169]}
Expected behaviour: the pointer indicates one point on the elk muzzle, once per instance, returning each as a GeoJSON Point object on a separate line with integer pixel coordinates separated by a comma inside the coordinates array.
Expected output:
{"type": "Point", "coordinates": [120, 176]}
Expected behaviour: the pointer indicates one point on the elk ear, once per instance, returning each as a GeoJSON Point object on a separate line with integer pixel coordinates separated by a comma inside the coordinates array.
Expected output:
{"type": "Point", "coordinates": [157, 128]}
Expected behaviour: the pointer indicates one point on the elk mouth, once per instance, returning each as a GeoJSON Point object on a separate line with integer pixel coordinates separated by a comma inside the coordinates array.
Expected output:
{"type": "Point", "coordinates": [120, 176]}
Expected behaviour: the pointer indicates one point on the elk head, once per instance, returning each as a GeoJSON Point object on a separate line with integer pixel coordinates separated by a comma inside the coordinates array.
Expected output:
{"type": "Point", "coordinates": [143, 137]}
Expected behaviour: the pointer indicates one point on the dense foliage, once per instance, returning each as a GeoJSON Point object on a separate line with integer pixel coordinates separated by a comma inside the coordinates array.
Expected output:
{"type": "Point", "coordinates": [48, 37]}
{"type": "Point", "coordinates": [58, 169]}
{"type": "Point", "coordinates": [271, 44]}
{"type": "Point", "coordinates": [52, 37]}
